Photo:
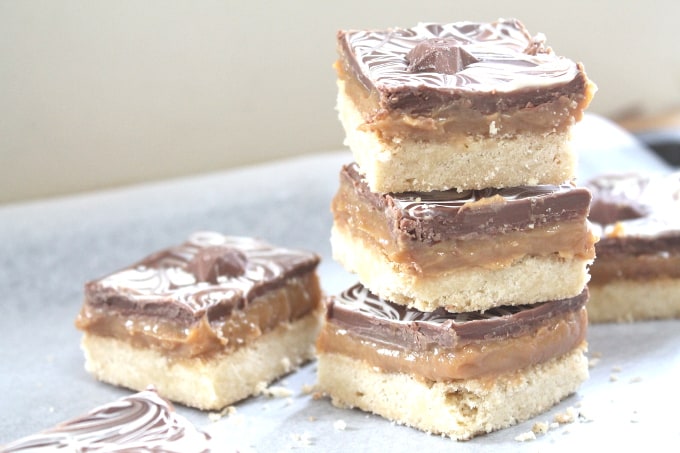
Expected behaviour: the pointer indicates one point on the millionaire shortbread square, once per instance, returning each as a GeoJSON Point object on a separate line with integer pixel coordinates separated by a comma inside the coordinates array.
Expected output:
{"type": "Point", "coordinates": [462, 105]}
{"type": "Point", "coordinates": [636, 275]}
{"type": "Point", "coordinates": [455, 374]}
{"type": "Point", "coordinates": [207, 322]}
{"type": "Point", "coordinates": [465, 251]}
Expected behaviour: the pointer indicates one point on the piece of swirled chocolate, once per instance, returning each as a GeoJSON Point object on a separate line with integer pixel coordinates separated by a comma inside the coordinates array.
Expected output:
{"type": "Point", "coordinates": [455, 374]}
{"type": "Point", "coordinates": [464, 251]}
{"type": "Point", "coordinates": [207, 322]}
{"type": "Point", "coordinates": [136, 423]}
{"type": "Point", "coordinates": [636, 275]}
{"type": "Point", "coordinates": [463, 105]}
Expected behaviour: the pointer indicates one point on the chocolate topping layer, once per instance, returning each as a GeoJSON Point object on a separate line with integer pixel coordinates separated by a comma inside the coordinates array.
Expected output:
{"type": "Point", "coordinates": [439, 215]}
{"type": "Point", "coordinates": [364, 314]}
{"type": "Point", "coordinates": [503, 68]}
{"type": "Point", "coordinates": [140, 422]}
{"type": "Point", "coordinates": [636, 214]}
{"type": "Point", "coordinates": [209, 274]}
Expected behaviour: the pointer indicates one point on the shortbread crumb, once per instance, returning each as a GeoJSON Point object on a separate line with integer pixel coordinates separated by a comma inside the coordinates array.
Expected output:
{"type": "Point", "coordinates": [304, 439]}
{"type": "Point", "coordinates": [527, 436]}
{"type": "Point", "coordinates": [216, 416]}
{"type": "Point", "coordinates": [540, 428]}
{"type": "Point", "coordinates": [339, 425]}
{"type": "Point", "coordinates": [276, 391]}
{"type": "Point", "coordinates": [569, 416]}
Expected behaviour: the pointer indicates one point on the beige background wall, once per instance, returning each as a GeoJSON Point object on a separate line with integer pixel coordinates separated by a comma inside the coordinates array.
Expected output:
{"type": "Point", "coordinates": [102, 93]}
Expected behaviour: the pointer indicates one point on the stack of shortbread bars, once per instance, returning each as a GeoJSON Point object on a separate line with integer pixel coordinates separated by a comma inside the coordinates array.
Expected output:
{"type": "Point", "coordinates": [462, 221]}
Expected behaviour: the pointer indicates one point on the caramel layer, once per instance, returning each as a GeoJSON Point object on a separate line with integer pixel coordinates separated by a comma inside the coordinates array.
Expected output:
{"type": "Point", "coordinates": [629, 267]}
{"type": "Point", "coordinates": [299, 297]}
{"type": "Point", "coordinates": [356, 215]}
{"type": "Point", "coordinates": [553, 338]}
{"type": "Point", "coordinates": [449, 122]}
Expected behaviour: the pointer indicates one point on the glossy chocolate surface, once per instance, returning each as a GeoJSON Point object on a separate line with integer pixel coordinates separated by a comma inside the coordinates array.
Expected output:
{"type": "Point", "coordinates": [209, 274]}
{"type": "Point", "coordinates": [366, 315]}
{"type": "Point", "coordinates": [141, 422]}
{"type": "Point", "coordinates": [439, 215]}
{"type": "Point", "coordinates": [498, 66]}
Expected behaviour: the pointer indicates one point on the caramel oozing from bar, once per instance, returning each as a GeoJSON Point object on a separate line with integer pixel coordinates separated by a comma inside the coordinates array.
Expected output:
{"type": "Point", "coordinates": [463, 361]}
{"type": "Point", "coordinates": [299, 297]}
{"type": "Point", "coordinates": [568, 239]}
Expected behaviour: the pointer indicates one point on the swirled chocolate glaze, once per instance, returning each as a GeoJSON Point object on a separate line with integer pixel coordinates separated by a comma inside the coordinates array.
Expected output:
{"type": "Point", "coordinates": [438, 215]}
{"type": "Point", "coordinates": [140, 422]}
{"type": "Point", "coordinates": [636, 213]}
{"type": "Point", "coordinates": [497, 65]}
{"type": "Point", "coordinates": [363, 313]}
{"type": "Point", "coordinates": [209, 273]}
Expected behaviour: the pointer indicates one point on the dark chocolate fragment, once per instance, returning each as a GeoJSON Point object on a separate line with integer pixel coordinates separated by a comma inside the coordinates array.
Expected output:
{"type": "Point", "coordinates": [443, 55]}
{"type": "Point", "coordinates": [140, 422]}
{"type": "Point", "coordinates": [362, 313]}
{"type": "Point", "coordinates": [211, 263]}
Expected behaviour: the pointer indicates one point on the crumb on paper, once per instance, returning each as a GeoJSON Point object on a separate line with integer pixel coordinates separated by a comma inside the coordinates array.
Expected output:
{"type": "Point", "coordinates": [635, 379]}
{"type": "Point", "coordinates": [540, 428]}
{"type": "Point", "coordinates": [317, 395]}
{"type": "Point", "coordinates": [339, 425]}
{"type": "Point", "coordinates": [304, 439]}
{"type": "Point", "coordinates": [613, 378]}
{"type": "Point", "coordinates": [616, 369]}
{"type": "Point", "coordinates": [307, 389]}
{"type": "Point", "coordinates": [275, 391]}
{"type": "Point", "coordinates": [216, 416]}
{"type": "Point", "coordinates": [568, 416]}
{"type": "Point", "coordinates": [311, 418]}
{"type": "Point", "coordinates": [596, 354]}
{"type": "Point", "coordinates": [593, 362]}
{"type": "Point", "coordinates": [526, 436]}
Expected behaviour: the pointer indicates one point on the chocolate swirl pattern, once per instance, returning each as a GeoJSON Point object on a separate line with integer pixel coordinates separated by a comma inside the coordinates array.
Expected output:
{"type": "Point", "coordinates": [509, 59]}
{"type": "Point", "coordinates": [170, 274]}
{"type": "Point", "coordinates": [358, 298]}
{"type": "Point", "coordinates": [421, 204]}
{"type": "Point", "coordinates": [141, 422]}
{"type": "Point", "coordinates": [367, 315]}
{"type": "Point", "coordinates": [449, 214]}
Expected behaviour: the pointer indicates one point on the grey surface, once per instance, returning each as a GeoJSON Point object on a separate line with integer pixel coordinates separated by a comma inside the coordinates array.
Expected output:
{"type": "Point", "coordinates": [49, 249]}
